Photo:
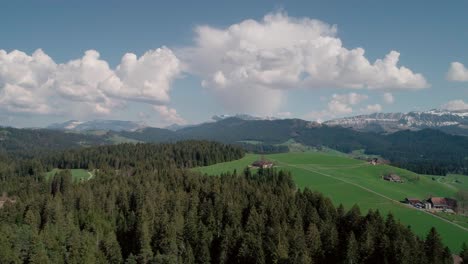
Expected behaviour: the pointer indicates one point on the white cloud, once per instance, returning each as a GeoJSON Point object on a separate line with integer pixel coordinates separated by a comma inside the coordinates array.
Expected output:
{"type": "Point", "coordinates": [337, 107]}
{"type": "Point", "coordinates": [169, 115]}
{"type": "Point", "coordinates": [261, 59]}
{"type": "Point", "coordinates": [388, 98]}
{"type": "Point", "coordinates": [350, 98]}
{"type": "Point", "coordinates": [455, 105]}
{"type": "Point", "coordinates": [284, 114]}
{"type": "Point", "coordinates": [374, 108]}
{"type": "Point", "coordinates": [85, 86]}
{"type": "Point", "coordinates": [457, 72]}
{"type": "Point", "coordinates": [24, 81]}
{"type": "Point", "coordinates": [145, 79]}
{"type": "Point", "coordinates": [340, 104]}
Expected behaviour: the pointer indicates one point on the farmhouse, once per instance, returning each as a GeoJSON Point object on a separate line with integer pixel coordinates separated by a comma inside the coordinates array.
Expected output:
{"type": "Point", "coordinates": [441, 203]}
{"type": "Point", "coordinates": [392, 177]}
{"type": "Point", "coordinates": [414, 202]}
{"type": "Point", "coordinates": [264, 164]}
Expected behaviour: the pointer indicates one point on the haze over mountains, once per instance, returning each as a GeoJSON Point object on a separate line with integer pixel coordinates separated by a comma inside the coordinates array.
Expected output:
{"type": "Point", "coordinates": [107, 125]}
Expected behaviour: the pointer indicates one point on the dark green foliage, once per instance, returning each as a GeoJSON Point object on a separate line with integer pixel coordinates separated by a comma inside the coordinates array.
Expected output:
{"type": "Point", "coordinates": [464, 253]}
{"type": "Point", "coordinates": [183, 154]}
{"type": "Point", "coordinates": [263, 148]}
{"type": "Point", "coordinates": [143, 207]}
{"type": "Point", "coordinates": [30, 142]}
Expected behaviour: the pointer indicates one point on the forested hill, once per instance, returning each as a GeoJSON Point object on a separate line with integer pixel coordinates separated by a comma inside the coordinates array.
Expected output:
{"type": "Point", "coordinates": [183, 154]}
{"type": "Point", "coordinates": [123, 157]}
{"type": "Point", "coordinates": [27, 142]}
{"type": "Point", "coordinates": [136, 210]}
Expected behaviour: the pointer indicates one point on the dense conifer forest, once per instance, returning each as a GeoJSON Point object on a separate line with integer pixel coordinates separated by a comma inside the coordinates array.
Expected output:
{"type": "Point", "coordinates": [144, 206]}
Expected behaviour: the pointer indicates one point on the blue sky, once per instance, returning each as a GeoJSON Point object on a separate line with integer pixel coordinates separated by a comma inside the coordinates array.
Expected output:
{"type": "Point", "coordinates": [428, 35]}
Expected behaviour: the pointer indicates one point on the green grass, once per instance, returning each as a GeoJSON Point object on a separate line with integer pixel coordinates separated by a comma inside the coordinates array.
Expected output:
{"type": "Point", "coordinates": [459, 219]}
{"type": "Point", "coordinates": [77, 174]}
{"type": "Point", "coordinates": [454, 181]}
{"type": "Point", "coordinates": [238, 165]}
{"type": "Point", "coordinates": [349, 181]}
{"type": "Point", "coordinates": [116, 139]}
{"type": "Point", "coordinates": [253, 142]}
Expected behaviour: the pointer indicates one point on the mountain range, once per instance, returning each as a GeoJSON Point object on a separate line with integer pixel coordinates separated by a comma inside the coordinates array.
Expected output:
{"type": "Point", "coordinates": [99, 124]}
{"type": "Point", "coordinates": [452, 122]}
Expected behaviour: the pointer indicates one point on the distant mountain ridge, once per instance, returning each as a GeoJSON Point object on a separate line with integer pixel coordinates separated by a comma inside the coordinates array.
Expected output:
{"type": "Point", "coordinates": [107, 125]}
{"type": "Point", "coordinates": [243, 117]}
{"type": "Point", "coordinates": [452, 122]}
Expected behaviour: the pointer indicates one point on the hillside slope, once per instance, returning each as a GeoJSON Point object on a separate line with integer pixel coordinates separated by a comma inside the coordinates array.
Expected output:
{"type": "Point", "coordinates": [348, 181]}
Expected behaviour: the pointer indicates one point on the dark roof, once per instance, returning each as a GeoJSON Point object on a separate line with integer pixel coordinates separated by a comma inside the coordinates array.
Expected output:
{"type": "Point", "coordinates": [261, 162]}
{"type": "Point", "coordinates": [392, 176]}
{"type": "Point", "coordinates": [413, 200]}
{"type": "Point", "coordinates": [443, 201]}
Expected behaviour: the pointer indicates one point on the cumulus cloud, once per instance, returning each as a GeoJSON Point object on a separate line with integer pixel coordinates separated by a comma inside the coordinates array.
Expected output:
{"type": "Point", "coordinates": [88, 85]}
{"type": "Point", "coordinates": [350, 98]}
{"type": "Point", "coordinates": [374, 108]}
{"type": "Point", "coordinates": [388, 98]}
{"type": "Point", "coordinates": [262, 59]}
{"type": "Point", "coordinates": [169, 115]}
{"type": "Point", "coordinates": [284, 114]}
{"type": "Point", "coordinates": [457, 72]}
{"type": "Point", "coordinates": [339, 104]}
{"type": "Point", "coordinates": [24, 81]}
{"type": "Point", "coordinates": [455, 105]}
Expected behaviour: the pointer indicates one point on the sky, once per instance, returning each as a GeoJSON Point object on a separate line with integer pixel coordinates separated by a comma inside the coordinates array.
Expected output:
{"type": "Point", "coordinates": [183, 62]}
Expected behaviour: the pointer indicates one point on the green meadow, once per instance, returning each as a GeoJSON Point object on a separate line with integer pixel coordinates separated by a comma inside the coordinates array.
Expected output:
{"type": "Point", "coordinates": [350, 181]}
{"type": "Point", "coordinates": [77, 174]}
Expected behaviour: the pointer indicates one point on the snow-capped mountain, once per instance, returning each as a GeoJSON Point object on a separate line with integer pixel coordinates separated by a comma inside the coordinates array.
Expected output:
{"type": "Point", "coordinates": [243, 117]}
{"type": "Point", "coordinates": [454, 122]}
{"type": "Point", "coordinates": [108, 125]}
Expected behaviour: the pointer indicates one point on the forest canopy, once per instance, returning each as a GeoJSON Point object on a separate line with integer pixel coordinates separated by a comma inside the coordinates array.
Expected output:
{"type": "Point", "coordinates": [144, 206]}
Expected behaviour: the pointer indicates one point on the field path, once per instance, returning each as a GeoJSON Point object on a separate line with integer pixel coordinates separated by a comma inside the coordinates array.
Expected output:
{"type": "Point", "coordinates": [371, 191]}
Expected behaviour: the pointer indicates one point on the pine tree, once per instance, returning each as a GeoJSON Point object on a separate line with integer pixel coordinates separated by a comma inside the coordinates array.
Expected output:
{"type": "Point", "coordinates": [464, 252]}
{"type": "Point", "coordinates": [314, 243]}
{"type": "Point", "coordinates": [352, 250]}
{"type": "Point", "coordinates": [433, 247]}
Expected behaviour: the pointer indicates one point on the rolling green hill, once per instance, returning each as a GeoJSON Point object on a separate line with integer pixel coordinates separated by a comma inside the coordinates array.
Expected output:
{"type": "Point", "coordinates": [348, 181]}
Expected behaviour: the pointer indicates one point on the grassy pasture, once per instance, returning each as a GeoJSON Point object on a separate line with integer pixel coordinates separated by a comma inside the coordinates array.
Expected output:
{"type": "Point", "coordinates": [349, 181]}
{"type": "Point", "coordinates": [77, 174]}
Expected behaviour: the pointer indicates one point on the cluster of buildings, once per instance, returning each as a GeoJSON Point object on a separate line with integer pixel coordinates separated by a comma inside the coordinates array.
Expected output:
{"type": "Point", "coordinates": [262, 163]}
{"type": "Point", "coordinates": [393, 178]}
{"type": "Point", "coordinates": [434, 204]}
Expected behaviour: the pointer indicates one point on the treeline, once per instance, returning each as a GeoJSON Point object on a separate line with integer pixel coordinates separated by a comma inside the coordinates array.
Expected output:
{"type": "Point", "coordinates": [263, 148]}
{"type": "Point", "coordinates": [128, 157]}
{"type": "Point", "coordinates": [183, 154]}
{"type": "Point", "coordinates": [178, 216]}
